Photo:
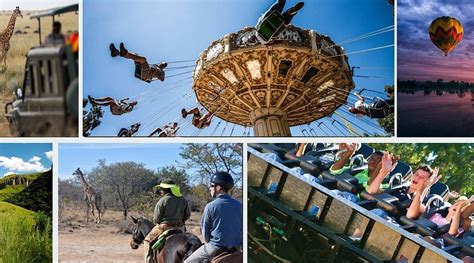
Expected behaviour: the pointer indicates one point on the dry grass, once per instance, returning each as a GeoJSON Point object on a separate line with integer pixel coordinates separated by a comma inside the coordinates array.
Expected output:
{"type": "Point", "coordinates": [73, 216]}
{"type": "Point", "coordinates": [19, 46]}
{"type": "Point", "coordinates": [108, 242]}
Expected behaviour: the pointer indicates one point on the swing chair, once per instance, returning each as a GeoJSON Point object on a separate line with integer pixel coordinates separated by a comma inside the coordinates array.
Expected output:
{"type": "Point", "coordinates": [201, 124]}
{"type": "Point", "coordinates": [164, 132]}
{"type": "Point", "coordinates": [379, 108]}
{"type": "Point", "coordinates": [270, 27]}
{"type": "Point", "coordinates": [141, 73]}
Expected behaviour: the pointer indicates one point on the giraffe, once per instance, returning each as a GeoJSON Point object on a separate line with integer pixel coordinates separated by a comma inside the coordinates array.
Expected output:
{"type": "Point", "coordinates": [6, 35]}
{"type": "Point", "coordinates": [91, 196]}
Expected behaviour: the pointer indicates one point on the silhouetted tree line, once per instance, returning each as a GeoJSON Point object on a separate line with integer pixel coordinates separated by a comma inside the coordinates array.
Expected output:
{"type": "Point", "coordinates": [440, 84]}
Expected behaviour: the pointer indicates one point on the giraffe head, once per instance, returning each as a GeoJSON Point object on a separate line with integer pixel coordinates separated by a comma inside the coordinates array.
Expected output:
{"type": "Point", "coordinates": [17, 12]}
{"type": "Point", "coordinates": [77, 172]}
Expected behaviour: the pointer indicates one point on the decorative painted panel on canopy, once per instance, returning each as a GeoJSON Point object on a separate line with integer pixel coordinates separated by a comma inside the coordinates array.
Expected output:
{"type": "Point", "coordinates": [296, 73]}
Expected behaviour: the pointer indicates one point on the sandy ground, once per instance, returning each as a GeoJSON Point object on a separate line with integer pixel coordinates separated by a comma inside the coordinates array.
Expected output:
{"type": "Point", "coordinates": [87, 242]}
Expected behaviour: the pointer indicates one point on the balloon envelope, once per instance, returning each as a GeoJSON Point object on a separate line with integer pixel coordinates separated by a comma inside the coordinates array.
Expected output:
{"type": "Point", "coordinates": [446, 32]}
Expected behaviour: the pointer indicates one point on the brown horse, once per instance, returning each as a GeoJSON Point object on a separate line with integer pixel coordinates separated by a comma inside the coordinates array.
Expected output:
{"type": "Point", "coordinates": [177, 247]}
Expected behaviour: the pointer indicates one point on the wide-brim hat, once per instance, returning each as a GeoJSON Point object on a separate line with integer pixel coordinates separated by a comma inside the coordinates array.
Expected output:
{"type": "Point", "coordinates": [174, 188]}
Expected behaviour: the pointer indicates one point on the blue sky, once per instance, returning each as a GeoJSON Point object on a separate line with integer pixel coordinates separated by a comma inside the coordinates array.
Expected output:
{"type": "Point", "coordinates": [86, 155]}
{"type": "Point", "coordinates": [21, 158]}
{"type": "Point", "coordinates": [415, 49]}
{"type": "Point", "coordinates": [181, 30]}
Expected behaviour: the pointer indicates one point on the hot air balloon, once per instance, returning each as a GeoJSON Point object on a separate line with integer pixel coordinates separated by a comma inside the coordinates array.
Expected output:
{"type": "Point", "coordinates": [446, 32]}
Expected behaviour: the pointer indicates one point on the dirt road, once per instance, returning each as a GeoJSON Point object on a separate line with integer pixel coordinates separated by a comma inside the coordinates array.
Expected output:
{"type": "Point", "coordinates": [107, 242]}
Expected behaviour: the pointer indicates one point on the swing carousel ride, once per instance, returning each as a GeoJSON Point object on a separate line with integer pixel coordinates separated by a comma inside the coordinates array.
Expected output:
{"type": "Point", "coordinates": [301, 79]}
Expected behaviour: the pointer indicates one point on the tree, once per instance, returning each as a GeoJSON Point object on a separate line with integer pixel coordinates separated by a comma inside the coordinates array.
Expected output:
{"type": "Point", "coordinates": [455, 161]}
{"type": "Point", "coordinates": [91, 118]}
{"type": "Point", "coordinates": [179, 176]}
{"type": "Point", "coordinates": [207, 159]}
{"type": "Point", "coordinates": [123, 183]}
{"type": "Point", "coordinates": [388, 123]}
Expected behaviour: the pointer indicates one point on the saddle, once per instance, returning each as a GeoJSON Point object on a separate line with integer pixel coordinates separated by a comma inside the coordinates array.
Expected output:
{"type": "Point", "coordinates": [228, 255]}
{"type": "Point", "coordinates": [159, 243]}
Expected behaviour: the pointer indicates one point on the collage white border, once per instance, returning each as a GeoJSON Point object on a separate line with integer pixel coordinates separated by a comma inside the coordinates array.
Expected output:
{"type": "Point", "coordinates": [244, 140]}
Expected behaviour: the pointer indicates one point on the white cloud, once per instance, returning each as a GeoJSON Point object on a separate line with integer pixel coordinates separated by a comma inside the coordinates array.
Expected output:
{"type": "Point", "coordinates": [34, 159]}
{"type": "Point", "coordinates": [49, 155]}
{"type": "Point", "coordinates": [8, 173]}
{"type": "Point", "coordinates": [16, 164]}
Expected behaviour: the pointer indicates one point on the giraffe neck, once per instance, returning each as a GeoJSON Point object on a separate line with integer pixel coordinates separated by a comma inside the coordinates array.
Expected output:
{"type": "Point", "coordinates": [8, 32]}
{"type": "Point", "coordinates": [85, 185]}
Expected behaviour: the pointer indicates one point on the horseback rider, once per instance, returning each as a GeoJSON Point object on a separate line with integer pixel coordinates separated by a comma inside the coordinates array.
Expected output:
{"type": "Point", "coordinates": [221, 223]}
{"type": "Point", "coordinates": [143, 70]}
{"type": "Point", "coordinates": [171, 211]}
{"type": "Point", "coordinates": [124, 132]}
{"type": "Point", "coordinates": [198, 121]}
{"type": "Point", "coordinates": [380, 108]}
{"type": "Point", "coordinates": [116, 107]}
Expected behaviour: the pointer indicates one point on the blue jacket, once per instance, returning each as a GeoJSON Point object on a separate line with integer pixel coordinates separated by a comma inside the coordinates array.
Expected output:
{"type": "Point", "coordinates": [222, 222]}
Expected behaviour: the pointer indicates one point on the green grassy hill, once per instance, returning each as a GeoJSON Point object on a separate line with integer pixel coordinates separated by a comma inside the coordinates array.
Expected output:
{"type": "Point", "coordinates": [14, 184]}
{"type": "Point", "coordinates": [21, 238]}
{"type": "Point", "coordinates": [37, 196]}
{"type": "Point", "coordinates": [8, 211]}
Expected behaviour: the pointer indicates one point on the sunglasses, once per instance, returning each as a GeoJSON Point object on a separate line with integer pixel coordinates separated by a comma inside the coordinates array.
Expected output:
{"type": "Point", "coordinates": [212, 185]}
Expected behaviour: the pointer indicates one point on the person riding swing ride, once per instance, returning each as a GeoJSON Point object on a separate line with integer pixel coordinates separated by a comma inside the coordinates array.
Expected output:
{"type": "Point", "coordinates": [378, 109]}
{"type": "Point", "coordinates": [169, 130]}
{"type": "Point", "coordinates": [171, 212]}
{"type": "Point", "coordinates": [143, 70]}
{"type": "Point", "coordinates": [273, 21]}
{"type": "Point", "coordinates": [116, 107]}
{"type": "Point", "coordinates": [199, 121]}
{"type": "Point", "coordinates": [124, 132]}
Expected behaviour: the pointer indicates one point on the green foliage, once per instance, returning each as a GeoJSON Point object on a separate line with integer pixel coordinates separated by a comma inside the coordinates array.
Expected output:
{"type": "Point", "coordinates": [210, 158]}
{"type": "Point", "coordinates": [178, 175]}
{"type": "Point", "coordinates": [32, 176]}
{"type": "Point", "coordinates": [20, 241]}
{"type": "Point", "coordinates": [38, 196]}
{"type": "Point", "coordinates": [388, 123]}
{"type": "Point", "coordinates": [91, 119]}
{"type": "Point", "coordinates": [9, 191]}
{"type": "Point", "coordinates": [455, 161]}
{"type": "Point", "coordinates": [122, 184]}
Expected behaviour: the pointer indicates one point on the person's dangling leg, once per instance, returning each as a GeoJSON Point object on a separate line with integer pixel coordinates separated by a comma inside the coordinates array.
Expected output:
{"type": "Point", "coordinates": [277, 6]}
{"type": "Point", "coordinates": [104, 101]}
{"type": "Point", "coordinates": [135, 57]}
{"type": "Point", "coordinates": [291, 12]}
{"type": "Point", "coordinates": [113, 50]}
{"type": "Point", "coordinates": [195, 112]}
{"type": "Point", "coordinates": [101, 101]}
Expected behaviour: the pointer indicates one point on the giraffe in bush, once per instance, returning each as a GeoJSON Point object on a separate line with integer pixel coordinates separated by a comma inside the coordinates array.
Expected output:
{"type": "Point", "coordinates": [6, 35]}
{"type": "Point", "coordinates": [91, 196]}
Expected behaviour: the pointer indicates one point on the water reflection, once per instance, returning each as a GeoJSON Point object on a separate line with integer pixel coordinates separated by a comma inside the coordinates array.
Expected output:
{"type": "Point", "coordinates": [436, 112]}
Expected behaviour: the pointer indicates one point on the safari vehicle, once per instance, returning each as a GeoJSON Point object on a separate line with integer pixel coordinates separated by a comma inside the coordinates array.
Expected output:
{"type": "Point", "coordinates": [46, 103]}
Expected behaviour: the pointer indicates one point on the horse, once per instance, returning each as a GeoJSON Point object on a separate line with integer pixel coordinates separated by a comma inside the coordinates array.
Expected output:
{"type": "Point", "coordinates": [177, 247]}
